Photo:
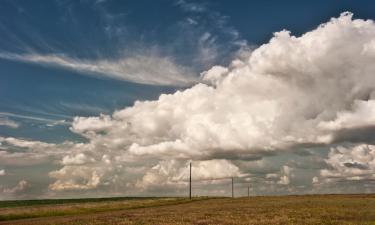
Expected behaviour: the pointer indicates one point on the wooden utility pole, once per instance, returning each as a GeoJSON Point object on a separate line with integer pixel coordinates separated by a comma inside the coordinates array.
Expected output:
{"type": "Point", "coordinates": [190, 183]}
{"type": "Point", "coordinates": [248, 191]}
{"type": "Point", "coordinates": [232, 189]}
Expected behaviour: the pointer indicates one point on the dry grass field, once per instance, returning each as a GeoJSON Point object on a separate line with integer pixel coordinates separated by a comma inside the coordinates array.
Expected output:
{"type": "Point", "coordinates": [314, 209]}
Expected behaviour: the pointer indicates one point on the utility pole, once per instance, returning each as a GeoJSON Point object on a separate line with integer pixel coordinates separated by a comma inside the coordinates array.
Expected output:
{"type": "Point", "coordinates": [248, 191]}
{"type": "Point", "coordinates": [232, 189]}
{"type": "Point", "coordinates": [190, 183]}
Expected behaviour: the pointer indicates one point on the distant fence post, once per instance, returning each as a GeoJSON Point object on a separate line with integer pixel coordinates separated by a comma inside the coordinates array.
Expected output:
{"type": "Point", "coordinates": [190, 183]}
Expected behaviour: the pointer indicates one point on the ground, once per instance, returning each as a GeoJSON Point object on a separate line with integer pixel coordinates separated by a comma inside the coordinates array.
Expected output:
{"type": "Point", "coordinates": [312, 209]}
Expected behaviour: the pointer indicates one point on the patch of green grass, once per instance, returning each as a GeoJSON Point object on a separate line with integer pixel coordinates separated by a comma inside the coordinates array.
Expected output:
{"type": "Point", "coordinates": [18, 203]}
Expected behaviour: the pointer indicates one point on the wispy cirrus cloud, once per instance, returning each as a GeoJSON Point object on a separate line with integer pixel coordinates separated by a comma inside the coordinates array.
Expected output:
{"type": "Point", "coordinates": [8, 123]}
{"type": "Point", "coordinates": [143, 69]}
{"type": "Point", "coordinates": [191, 6]}
{"type": "Point", "coordinates": [13, 124]}
{"type": "Point", "coordinates": [203, 35]}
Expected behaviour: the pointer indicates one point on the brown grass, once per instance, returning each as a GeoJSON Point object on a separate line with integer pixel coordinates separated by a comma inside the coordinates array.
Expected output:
{"type": "Point", "coordinates": [318, 209]}
{"type": "Point", "coordinates": [11, 212]}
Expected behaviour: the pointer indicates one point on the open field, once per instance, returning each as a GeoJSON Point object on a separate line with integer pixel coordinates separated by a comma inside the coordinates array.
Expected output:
{"type": "Point", "coordinates": [314, 209]}
{"type": "Point", "coordinates": [13, 210]}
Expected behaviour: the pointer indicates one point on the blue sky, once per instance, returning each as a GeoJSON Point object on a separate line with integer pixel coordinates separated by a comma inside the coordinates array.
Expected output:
{"type": "Point", "coordinates": [112, 29]}
{"type": "Point", "coordinates": [61, 60]}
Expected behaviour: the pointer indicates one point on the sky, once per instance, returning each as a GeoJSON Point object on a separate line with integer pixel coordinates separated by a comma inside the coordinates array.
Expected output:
{"type": "Point", "coordinates": [116, 98]}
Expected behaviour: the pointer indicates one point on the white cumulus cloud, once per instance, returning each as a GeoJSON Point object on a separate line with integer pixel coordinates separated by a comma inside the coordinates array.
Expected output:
{"type": "Point", "coordinates": [274, 99]}
{"type": "Point", "coordinates": [20, 187]}
{"type": "Point", "coordinates": [350, 164]}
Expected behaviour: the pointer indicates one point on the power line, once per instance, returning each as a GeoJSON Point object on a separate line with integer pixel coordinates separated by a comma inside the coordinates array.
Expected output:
{"type": "Point", "coordinates": [217, 178]}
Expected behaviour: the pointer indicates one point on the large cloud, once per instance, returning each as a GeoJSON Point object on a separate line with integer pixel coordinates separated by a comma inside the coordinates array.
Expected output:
{"type": "Point", "coordinates": [290, 91]}
{"type": "Point", "coordinates": [288, 94]}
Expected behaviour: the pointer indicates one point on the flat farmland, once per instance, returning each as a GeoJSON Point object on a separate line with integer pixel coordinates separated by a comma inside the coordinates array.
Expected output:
{"type": "Point", "coordinates": [309, 209]}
